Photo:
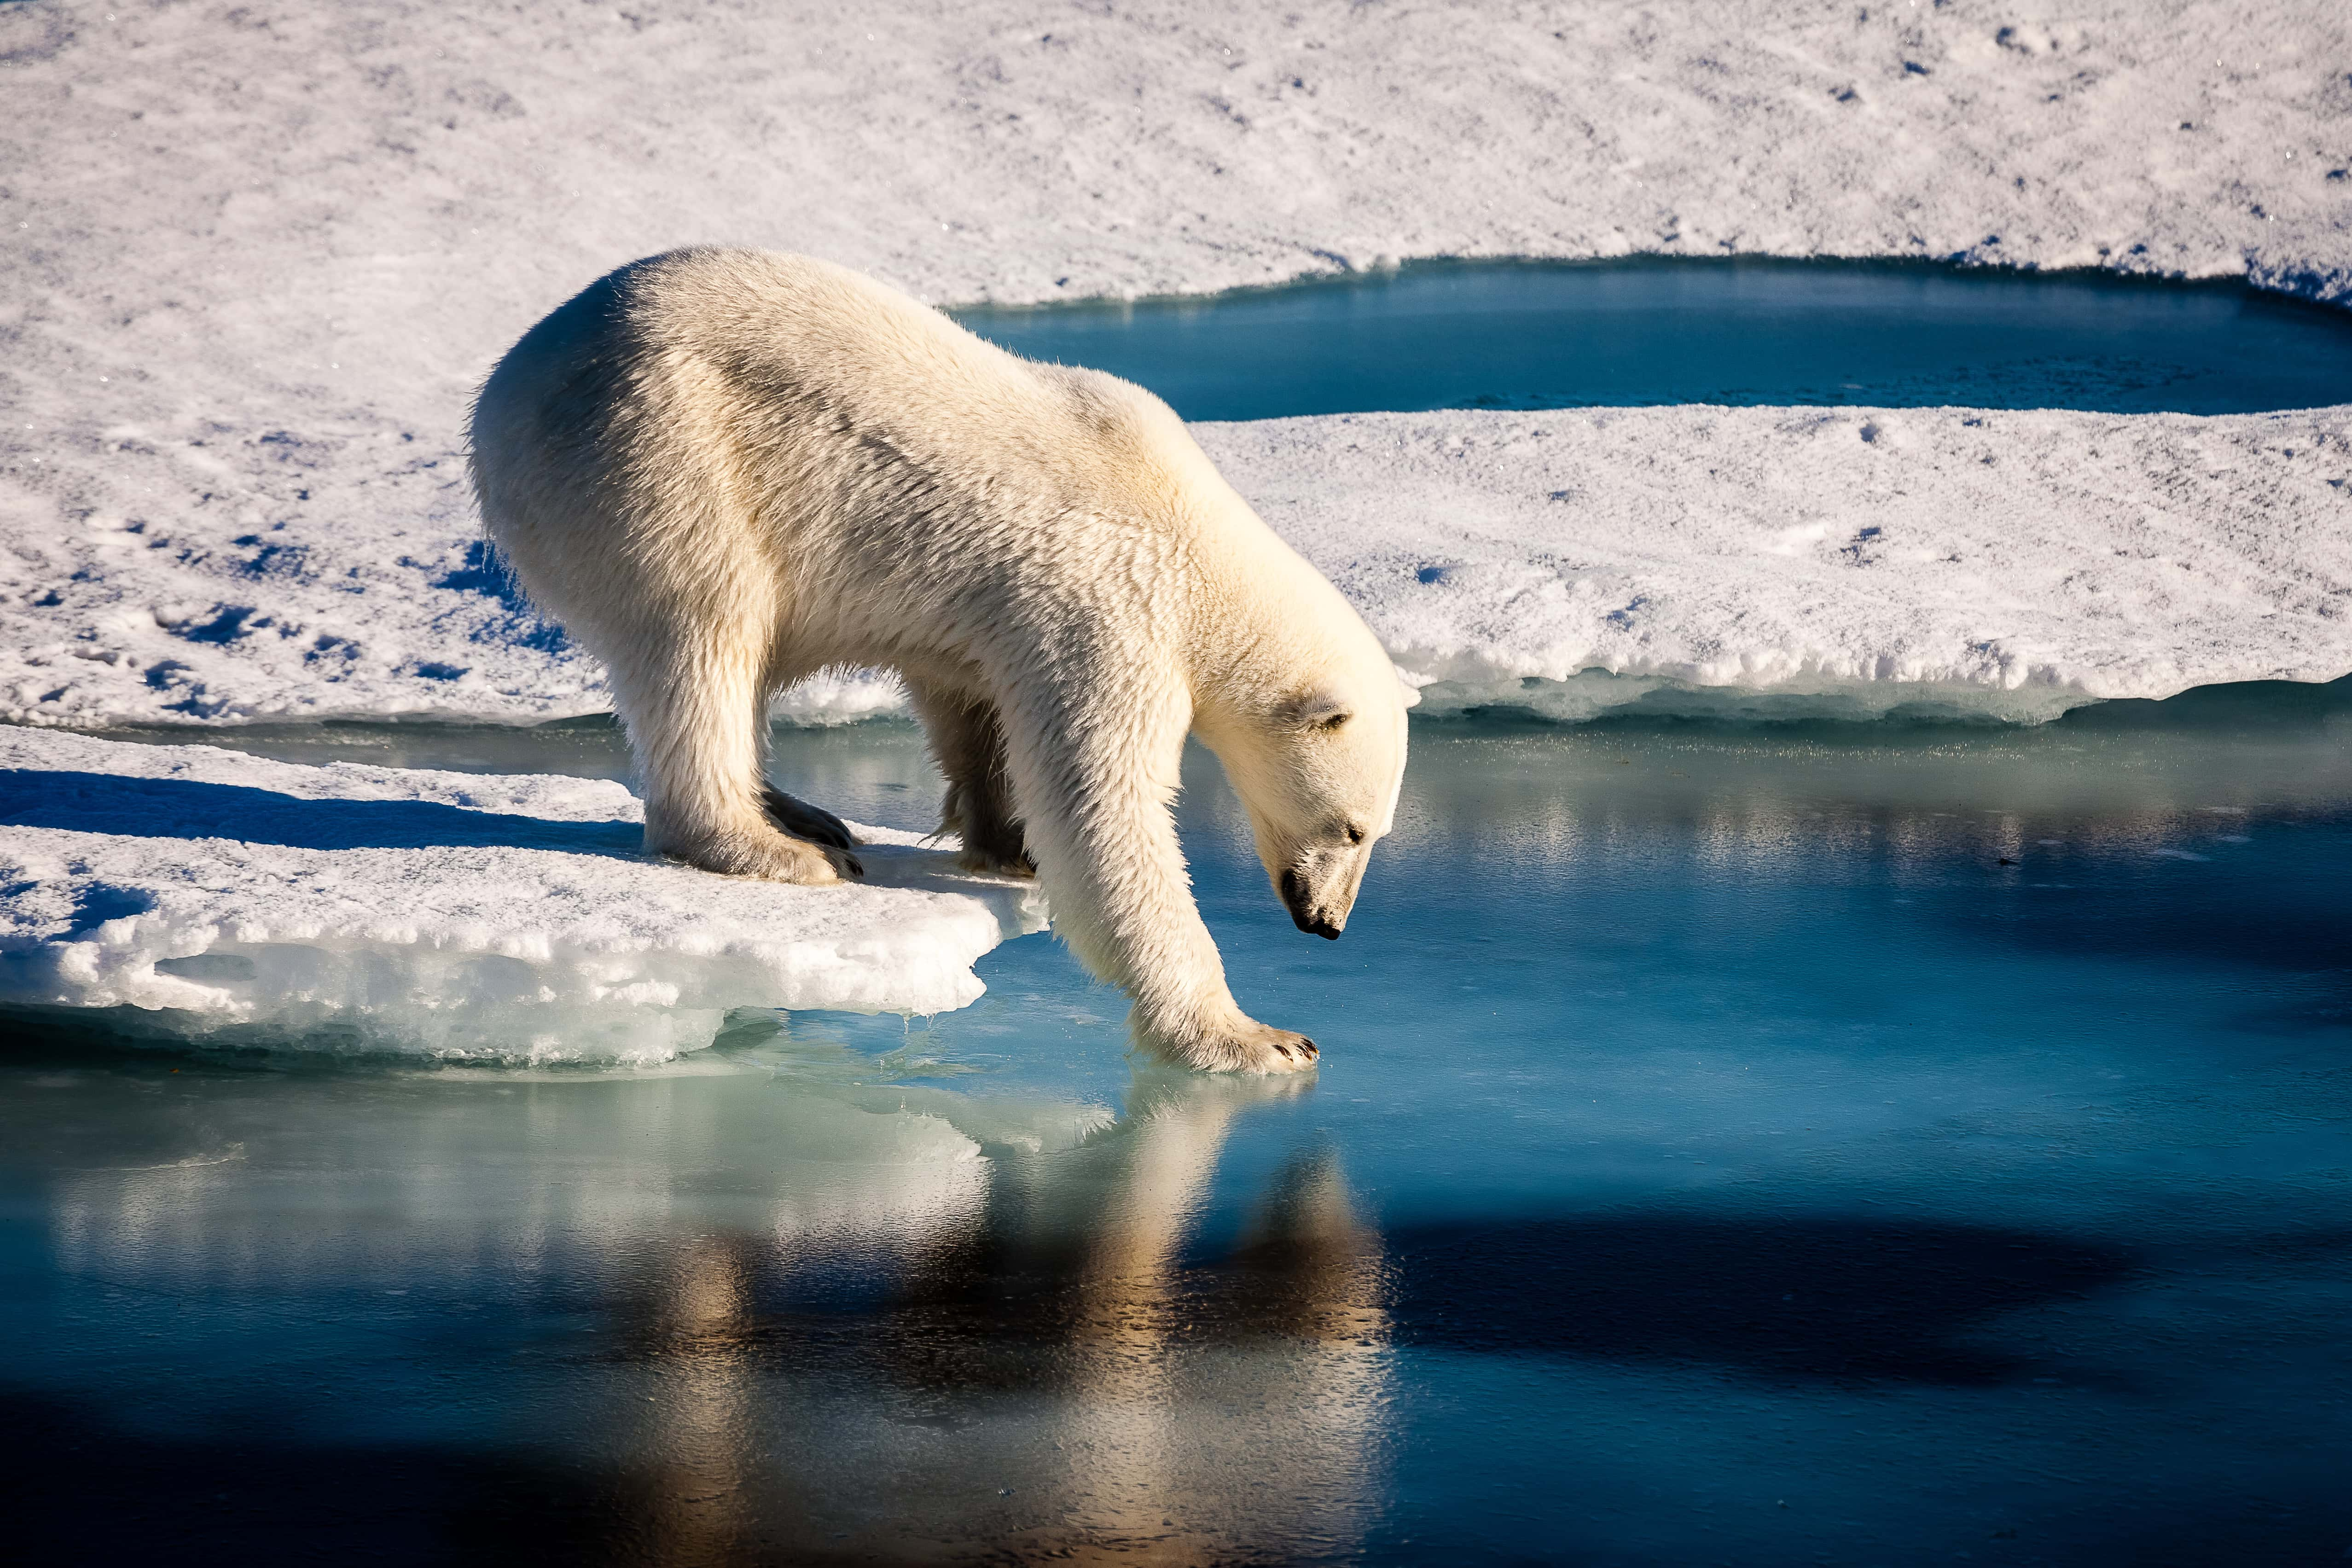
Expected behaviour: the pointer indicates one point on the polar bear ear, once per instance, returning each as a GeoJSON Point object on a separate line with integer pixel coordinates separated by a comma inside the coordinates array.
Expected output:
{"type": "Point", "coordinates": [1314, 710]}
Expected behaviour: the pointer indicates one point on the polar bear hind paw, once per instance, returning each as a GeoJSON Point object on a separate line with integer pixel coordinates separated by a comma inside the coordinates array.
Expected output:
{"type": "Point", "coordinates": [996, 863]}
{"type": "Point", "coordinates": [771, 857]}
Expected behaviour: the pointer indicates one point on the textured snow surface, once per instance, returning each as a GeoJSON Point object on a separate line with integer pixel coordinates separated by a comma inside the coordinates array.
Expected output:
{"type": "Point", "coordinates": [256, 256]}
{"type": "Point", "coordinates": [1839, 560]}
{"type": "Point", "coordinates": [204, 893]}
{"type": "Point", "coordinates": [1849, 560]}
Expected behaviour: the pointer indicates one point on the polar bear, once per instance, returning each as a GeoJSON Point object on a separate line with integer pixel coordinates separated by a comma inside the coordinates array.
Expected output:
{"type": "Point", "coordinates": [723, 470]}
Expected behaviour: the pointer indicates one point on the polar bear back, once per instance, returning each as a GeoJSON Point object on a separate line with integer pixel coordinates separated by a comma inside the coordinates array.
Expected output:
{"type": "Point", "coordinates": [732, 411]}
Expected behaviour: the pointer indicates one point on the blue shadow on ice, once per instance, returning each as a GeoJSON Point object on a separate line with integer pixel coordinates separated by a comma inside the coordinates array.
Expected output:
{"type": "Point", "coordinates": [188, 808]}
{"type": "Point", "coordinates": [485, 573]}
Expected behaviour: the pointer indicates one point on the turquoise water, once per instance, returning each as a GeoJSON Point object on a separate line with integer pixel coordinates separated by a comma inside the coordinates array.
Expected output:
{"type": "Point", "coordinates": [1658, 329]}
{"type": "Point", "coordinates": [1722, 1153]}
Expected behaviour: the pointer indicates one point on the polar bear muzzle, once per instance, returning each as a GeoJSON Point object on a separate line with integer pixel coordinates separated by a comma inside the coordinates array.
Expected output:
{"type": "Point", "coordinates": [1319, 889]}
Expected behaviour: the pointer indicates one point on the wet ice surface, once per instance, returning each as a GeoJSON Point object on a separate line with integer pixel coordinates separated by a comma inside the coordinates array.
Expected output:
{"type": "Point", "coordinates": [1720, 1154]}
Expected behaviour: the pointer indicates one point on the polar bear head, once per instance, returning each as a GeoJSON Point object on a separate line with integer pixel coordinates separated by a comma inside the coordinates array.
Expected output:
{"type": "Point", "coordinates": [1318, 762]}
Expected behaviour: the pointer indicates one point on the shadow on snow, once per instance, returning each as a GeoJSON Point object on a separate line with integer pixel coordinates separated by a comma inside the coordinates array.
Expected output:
{"type": "Point", "coordinates": [187, 808]}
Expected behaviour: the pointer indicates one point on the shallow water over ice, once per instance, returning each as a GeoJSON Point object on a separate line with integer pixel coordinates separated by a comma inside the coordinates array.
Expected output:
{"type": "Point", "coordinates": [1747, 331]}
{"type": "Point", "coordinates": [1720, 1153]}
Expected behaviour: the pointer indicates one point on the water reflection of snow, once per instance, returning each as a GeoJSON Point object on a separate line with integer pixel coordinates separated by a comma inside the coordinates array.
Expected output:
{"type": "Point", "coordinates": [804, 1290]}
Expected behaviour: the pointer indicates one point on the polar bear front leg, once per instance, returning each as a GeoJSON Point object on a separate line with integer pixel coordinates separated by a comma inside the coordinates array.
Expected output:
{"type": "Point", "coordinates": [1094, 781]}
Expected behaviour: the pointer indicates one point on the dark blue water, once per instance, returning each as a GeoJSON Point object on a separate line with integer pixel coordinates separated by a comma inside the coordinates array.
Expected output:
{"type": "Point", "coordinates": [1772, 1147]}
{"type": "Point", "coordinates": [1664, 330]}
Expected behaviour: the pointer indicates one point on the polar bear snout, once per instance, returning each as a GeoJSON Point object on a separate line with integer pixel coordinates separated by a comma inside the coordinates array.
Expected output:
{"type": "Point", "coordinates": [1300, 902]}
{"type": "Point", "coordinates": [1320, 888]}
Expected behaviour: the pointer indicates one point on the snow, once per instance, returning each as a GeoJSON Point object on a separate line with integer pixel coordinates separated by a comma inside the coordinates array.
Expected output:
{"type": "Point", "coordinates": [257, 255]}
{"type": "Point", "coordinates": [1847, 561]}
{"type": "Point", "coordinates": [194, 892]}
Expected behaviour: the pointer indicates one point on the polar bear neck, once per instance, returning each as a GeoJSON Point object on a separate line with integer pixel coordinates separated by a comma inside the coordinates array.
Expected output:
{"type": "Point", "coordinates": [1261, 625]}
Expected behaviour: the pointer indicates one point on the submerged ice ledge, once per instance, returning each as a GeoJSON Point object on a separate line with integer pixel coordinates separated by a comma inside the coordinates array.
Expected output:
{"type": "Point", "coordinates": [201, 893]}
{"type": "Point", "coordinates": [1597, 693]}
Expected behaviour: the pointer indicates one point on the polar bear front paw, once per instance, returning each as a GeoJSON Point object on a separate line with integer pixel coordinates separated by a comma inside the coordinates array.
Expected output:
{"type": "Point", "coordinates": [1243, 1045]}
{"type": "Point", "coordinates": [779, 858]}
{"type": "Point", "coordinates": [982, 863]}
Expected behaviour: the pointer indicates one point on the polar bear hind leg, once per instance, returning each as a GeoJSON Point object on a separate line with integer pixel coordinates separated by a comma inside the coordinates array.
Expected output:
{"type": "Point", "coordinates": [967, 741]}
{"type": "Point", "coordinates": [693, 697]}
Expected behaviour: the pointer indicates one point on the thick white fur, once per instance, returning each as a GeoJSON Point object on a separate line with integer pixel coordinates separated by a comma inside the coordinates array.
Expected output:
{"type": "Point", "coordinates": [723, 470]}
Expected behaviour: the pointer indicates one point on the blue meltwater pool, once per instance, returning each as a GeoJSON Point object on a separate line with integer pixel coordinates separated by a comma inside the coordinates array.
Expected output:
{"type": "Point", "coordinates": [1656, 329]}
{"type": "Point", "coordinates": [1765, 1146]}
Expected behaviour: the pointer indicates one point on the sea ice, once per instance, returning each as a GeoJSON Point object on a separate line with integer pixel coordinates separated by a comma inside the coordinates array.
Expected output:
{"type": "Point", "coordinates": [197, 893]}
{"type": "Point", "coordinates": [258, 255]}
{"type": "Point", "coordinates": [1851, 560]}
{"type": "Point", "coordinates": [1848, 562]}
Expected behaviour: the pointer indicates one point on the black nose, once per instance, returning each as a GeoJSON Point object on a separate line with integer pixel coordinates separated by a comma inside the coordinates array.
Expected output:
{"type": "Point", "coordinates": [1294, 898]}
{"type": "Point", "coordinates": [1315, 925]}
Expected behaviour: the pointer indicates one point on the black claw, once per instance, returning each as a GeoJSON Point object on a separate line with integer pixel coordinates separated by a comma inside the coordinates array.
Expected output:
{"type": "Point", "coordinates": [1311, 1052]}
{"type": "Point", "coordinates": [802, 820]}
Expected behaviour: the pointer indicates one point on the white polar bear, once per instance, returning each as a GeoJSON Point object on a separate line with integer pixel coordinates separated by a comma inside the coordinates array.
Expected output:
{"type": "Point", "coordinates": [724, 471]}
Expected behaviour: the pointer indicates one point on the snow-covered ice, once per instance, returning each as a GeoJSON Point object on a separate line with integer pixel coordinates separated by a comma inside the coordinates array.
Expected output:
{"type": "Point", "coordinates": [1847, 561]}
{"type": "Point", "coordinates": [197, 893]}
{"type": "Point", "coordinates": [2005, 563]}
{"type": "Point", "coordinates": [256, 256]}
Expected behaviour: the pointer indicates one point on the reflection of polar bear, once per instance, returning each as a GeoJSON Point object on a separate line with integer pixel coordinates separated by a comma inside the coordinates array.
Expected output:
{"type": "Point", "coordinates": [724, 471]}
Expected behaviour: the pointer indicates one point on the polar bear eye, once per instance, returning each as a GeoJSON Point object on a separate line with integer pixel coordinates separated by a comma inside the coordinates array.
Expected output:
{"type": "Point", "coordinates": [1355, 834]}
{"type": "Point", "coordinates": [1334, 721]}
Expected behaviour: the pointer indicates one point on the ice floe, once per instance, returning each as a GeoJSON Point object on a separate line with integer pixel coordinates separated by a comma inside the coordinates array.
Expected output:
{"type": "Point", "coordinates": [1847, 561]}
{"type": "Point", "coordinates": [197, 893]}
